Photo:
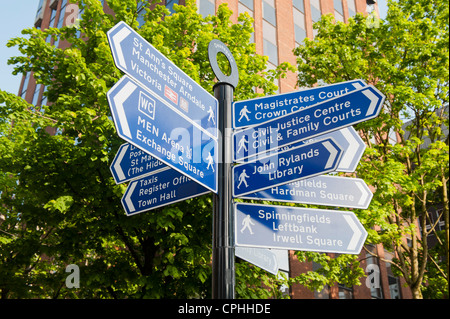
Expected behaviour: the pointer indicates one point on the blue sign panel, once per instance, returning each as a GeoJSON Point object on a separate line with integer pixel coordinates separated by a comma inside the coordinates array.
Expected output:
{"type": "Point", "coordinates": [320, 190]}
{"type": "Point", "coordinates": [147, 123]}
{"type": "Point", "coordinates": [294, 164]}
{"type": "Point", "coordinates": [141, 61]}
{"type": "Point", "coordinates": [342, 111]}
{"type": "Point", "coordinates": [260, 110]}
{"type": "Point", "coordinates": [165, 187]}
{"type": "Point", "coordinates": [296, 228]}
{"type": "Point", "coordinates": [132, 163]}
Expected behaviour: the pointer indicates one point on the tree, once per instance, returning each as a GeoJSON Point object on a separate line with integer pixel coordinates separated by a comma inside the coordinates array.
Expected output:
{"type": "Point", "coordinates": [406, 161]}
{"type": "Point", "coordinates": [58, 202]}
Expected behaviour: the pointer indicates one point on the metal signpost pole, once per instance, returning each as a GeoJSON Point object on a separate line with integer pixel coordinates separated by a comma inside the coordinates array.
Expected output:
{"type": "Point", "coordinates": [223, 272]}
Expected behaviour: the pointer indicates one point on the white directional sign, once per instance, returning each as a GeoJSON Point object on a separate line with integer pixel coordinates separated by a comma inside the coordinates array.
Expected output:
{"type": "Point", "coordinates": [320, 190]}
{"type": "Point", "coordinates": [144, 121]}
{"type": "Point", "coordinates": [333, 114]}
{"type": "Point", "coordinates": [296, 228]}
{"type": "Point", "coordinates": [140, 60]}
{"type": "Point", "coordinates": [294, 164]}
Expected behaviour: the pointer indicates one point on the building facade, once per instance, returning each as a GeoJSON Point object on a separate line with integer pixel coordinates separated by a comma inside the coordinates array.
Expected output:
{"type": "Point", "coordinates": [279, 26]}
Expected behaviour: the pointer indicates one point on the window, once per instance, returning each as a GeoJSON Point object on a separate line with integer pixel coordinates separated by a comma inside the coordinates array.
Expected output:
{"type": "Point", "coordinates": [394, 282]}
{"type": "Point", "coordinates": [338, 10]}
{"type": "Point", "coordinates": [51, 24]}
{"type": "Point", "coordinates": [247, 6]}
{"type": "Point", "coordinates": [299, 26]}
{"type": "Point", "coordinates": [345, 292]}
{"type": "Point", "coordinates": [299, 5]}
{"type": "Point", "coordinates": [140, 13]}
{"type": "Point", "coordinates": [206, 7]}
{"type": "Point", "coordinates": [247, 3]}
{"type": "Point", "coordinates": [269, 42]}
{"type": "Point", "coordinates": [39, 14]}
{"type": "Point", "coordinates": [36, 94]}
{"type": "Point", "coordinates": [25, 85]}
{"type": "Point", "coordinates": [269, 12]}
{"type": "Point", "coordinates": [169, 5]}
{"type": "Point", "coordinates": [269, 31]}
{"type": "Point", "coordinates": [325, 292]}
{"type": "Point", "coordinates": [316, 12]}
{"type": "Point", "coordinates": [351, 8]}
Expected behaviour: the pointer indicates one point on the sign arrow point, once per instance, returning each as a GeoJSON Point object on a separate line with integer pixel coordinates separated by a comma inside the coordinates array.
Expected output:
{"type": "Point", "coordinates": [333, 153]}
{"type": "Point", "coordinates": [356, 233]}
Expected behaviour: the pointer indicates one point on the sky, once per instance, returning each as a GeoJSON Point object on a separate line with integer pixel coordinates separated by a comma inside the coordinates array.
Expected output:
{"type": "Point", "coordinates": [20, 14]}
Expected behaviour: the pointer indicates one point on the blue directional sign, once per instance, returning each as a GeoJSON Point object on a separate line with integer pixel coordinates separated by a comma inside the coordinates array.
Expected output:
{"type": "Point", "coordinates": [294, 164]}
{"type": "Point", "coordinates": [260, 110]}
{"type": "Point", "coordinates": [144, 121]}
{"type": "Point", "coordinates": [320, 190]}
{"type": "Point", "coordinates": [132, 163]}
{"type": "Point", "coordinates": [140, 60]}
{"type": "Point", "coordinates": [161, 188]}
{"type": "Point", "coordinates": [295, 228]}
{"type": "Point", "coordinates": [345, 110]}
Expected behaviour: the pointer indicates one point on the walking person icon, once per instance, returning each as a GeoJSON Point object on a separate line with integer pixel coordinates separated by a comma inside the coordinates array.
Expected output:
{"type": "Point", "coordinates": [242, 144]}
{"type": "Point", "coordinates": [244, 113]}
{"type": "Point", "coordinates": [242, 179]}
{"type": "Point", "coordinates": [210, 160]}
{"type": "Point", "coordinates": [211, 115]}
{"type": "Point", "coordinates": [246, 222]}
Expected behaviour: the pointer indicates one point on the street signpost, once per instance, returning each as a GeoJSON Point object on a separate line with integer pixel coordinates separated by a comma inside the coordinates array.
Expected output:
{"type": "Point", "coordinates": [294, 164]}
{"type": "Point", "coordinates": [261, 257]}
{"type": "Point", "coordinates": [260, 110]}
{"type": "Point", "coordinates": [175, 152]}
{"type": "Point", "coordinates": [140, 60]}
{"type": "Point", "coordinates": [333, 114]}
{"type": "Point", "coordinates": [144, 121]}
{"type": "Point", "coordinates": [132, 163]}
{"type": "Point", "coordinates": [320, 190]}
{"type": "Point", "coordinates": [161, 188]}
{"type": "Point", "coordinates": [295, 228]}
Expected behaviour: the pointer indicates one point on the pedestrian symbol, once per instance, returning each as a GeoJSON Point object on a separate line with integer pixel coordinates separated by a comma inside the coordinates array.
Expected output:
{"type": "Point", "coordinates": [242, 179]}
{"type": "Point", "coordinates": [210, 160]}
{"type": "Point", "coordinates": [211, 115]}
{"type": "Point", "coordinates": [242, 143]}
{"type": "Point", "coordinates": [246, 224]}
{"type": "Point", "coordinates": [244, 113]}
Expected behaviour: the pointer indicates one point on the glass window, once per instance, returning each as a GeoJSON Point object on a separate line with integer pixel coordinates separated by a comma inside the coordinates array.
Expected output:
{"type": "Point", "coordinates": [243, 8]}
{"type": "Point", "coordinates": [25, 85]}
{"type": "Point", "coordinates": [247, 3]}
{"type": "Point", "coordinates": [394, 282]}
{"type": "Point", "coordinates": [338, 6]}
{"type": "Point", "coordinates": [345, 292]}
{"type": "Point", "coordinates": [206, 7]}
{"type": "Point", "coordinates": [299, 26]}
{"type": "Point", "coordinates": [299, 5]}
{"type": "Point", "coordinates": [271, 51]}
{"type": "Point", "coordinates": [269, 12]}
{"type": "Point", "coordinates": [36, 94]}
{"type": "Point", "coordinates": [316, 12]}
{"type": "Point", "coordinates": [351, 8]}
{"type": "Point", "coordinates": [39, 9]}
{"type": "Point", "coordinates": [169, 5]}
